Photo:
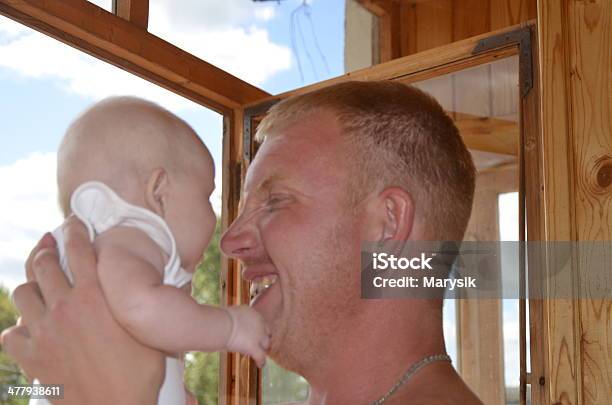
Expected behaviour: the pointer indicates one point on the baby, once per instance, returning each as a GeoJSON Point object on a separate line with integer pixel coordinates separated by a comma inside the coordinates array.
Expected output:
{"type": "Point", "coordinates": [140, 179]}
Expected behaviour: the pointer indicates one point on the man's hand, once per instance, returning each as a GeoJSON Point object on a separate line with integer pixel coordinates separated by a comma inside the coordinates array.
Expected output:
{"type": "Point", "coordinates": [68, 335]}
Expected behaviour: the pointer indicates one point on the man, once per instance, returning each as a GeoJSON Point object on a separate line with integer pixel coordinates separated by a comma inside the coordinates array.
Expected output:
{"type": "Point", "coordinates": [354, 162]}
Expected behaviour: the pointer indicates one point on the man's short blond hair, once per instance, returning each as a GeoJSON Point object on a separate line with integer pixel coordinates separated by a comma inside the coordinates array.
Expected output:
{"type": "Point", "coordinates": [397, 136]}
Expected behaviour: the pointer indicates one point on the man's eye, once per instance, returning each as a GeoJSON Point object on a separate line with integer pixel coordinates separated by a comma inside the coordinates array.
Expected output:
{"type": "Point", "coordinates": [274, 201]}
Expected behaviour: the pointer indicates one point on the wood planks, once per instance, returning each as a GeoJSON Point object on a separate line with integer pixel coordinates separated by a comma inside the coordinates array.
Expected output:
{"type": "Point", "coordinates": [389, 26]}
{"type": "Point", "coordinates": [533, 228]}
{"type": "Point", "coordinates": [427, 25]}
{"type": "Point", "coordinates": [590, 86]}
{"type": "Point", "coordinates": [134, 11]}
{"type": "Point", "coordinates": [488, 134]}
{"type": "Point", "coordinates": [238, 384]}
{"type": "Point", "coordinates": [575, 41]}
{"type": "Point", "coordinates": [97, 32]}
{"type": "Point", "coordinates": [423, 25]}
{"type": "Point", "coordinates": [230, 278]}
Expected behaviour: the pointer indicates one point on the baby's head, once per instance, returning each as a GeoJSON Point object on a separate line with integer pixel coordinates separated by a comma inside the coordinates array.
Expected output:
{"type": "Point", "coordinates": [150, 158]}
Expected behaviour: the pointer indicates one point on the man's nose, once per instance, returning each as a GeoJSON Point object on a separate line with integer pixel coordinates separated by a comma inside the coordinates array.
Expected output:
{"type": "Point", "coordinates": [239, 240]}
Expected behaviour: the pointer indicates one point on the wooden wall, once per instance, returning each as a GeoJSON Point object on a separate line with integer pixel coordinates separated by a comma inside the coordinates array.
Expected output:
{"type": "Point", "coordinates": [410, 26]}
{"type": "Point", "coordinates": [575, 43]}
{"type": "Point", "coordinates": [427, 24]}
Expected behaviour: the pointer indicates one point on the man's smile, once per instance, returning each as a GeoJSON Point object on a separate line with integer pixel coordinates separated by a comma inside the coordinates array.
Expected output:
{"type": "Point", "coordinates": [261, 284]}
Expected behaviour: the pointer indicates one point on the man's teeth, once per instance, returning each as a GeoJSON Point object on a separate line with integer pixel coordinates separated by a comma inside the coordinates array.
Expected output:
{"type": "Point", "coordinates": [260, 284]}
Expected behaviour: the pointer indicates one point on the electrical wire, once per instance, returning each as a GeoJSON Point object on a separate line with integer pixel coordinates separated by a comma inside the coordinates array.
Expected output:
{"type": "Point", "coordinates": [304, 10]}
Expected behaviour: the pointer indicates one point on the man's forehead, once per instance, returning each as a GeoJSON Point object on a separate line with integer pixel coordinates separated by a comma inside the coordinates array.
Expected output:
{"type": "Point", "coordinates": [299, 162]}
{"type": "Point", "coordinates": [269, 169]}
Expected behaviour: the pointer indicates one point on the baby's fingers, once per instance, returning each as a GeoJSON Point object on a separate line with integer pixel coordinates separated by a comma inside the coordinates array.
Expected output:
{"type": "Point", "coordinates": [259, 356]}
{"type": "Point", "coordinates": [257, 352]}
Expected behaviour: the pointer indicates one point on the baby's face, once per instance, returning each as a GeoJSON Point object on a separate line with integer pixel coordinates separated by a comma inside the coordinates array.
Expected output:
{"type": "Point", "coordinates": [189, 213]}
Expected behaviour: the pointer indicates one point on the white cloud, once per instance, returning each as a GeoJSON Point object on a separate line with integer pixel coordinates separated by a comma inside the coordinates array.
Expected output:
{"type": "Point", "coordinates": [10, 29]}
{"type": "Point", "coordinates": [33, 55]}
{"type": "Point", "coordinates": [208, 29]}
{"type": "Point", "coordinates": [265, 13]}
{"type": "Point", "coordinates": [28, 208]}
{"type": "Point", "coordinates": [246, 52]}
{"type": "Point", "coordinates": [198, 14]}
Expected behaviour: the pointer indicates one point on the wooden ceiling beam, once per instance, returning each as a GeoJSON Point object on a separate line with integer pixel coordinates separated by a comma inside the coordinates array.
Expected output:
{"type": "Point", "coordinates": [134, 11]}
{"type": "Point", "coordinates": [104, 35]}
{"type": "Point", "coordinates": [488, 134]}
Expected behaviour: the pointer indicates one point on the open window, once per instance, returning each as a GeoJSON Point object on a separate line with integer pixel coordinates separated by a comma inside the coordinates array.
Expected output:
{"type": "Point", "coordinates": [485, 84]}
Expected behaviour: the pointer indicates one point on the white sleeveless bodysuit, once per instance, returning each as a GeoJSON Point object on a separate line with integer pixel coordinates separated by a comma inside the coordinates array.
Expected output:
{"type": "Point", "coordinates": [101, 209]}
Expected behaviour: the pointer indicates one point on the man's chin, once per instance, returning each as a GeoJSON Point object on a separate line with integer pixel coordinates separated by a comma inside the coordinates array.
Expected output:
{"type": "Point", "coordinates": [283, 356]}
{"type": "Point", "coordinates": [287, 349]}
{"type": "Point", "coordinates": [280, 351]}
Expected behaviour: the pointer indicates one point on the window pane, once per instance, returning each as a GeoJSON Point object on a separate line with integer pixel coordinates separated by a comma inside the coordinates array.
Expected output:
{"type": "Point", "coordinates": [483, 101]}
{"type": "Point", "coordinates": [509, 230]}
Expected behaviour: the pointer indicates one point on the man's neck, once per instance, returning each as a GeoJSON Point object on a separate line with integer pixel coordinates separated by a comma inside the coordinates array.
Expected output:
{"type": "Point", "coordinates": [373, 356]}
{"type": "Point", "coordinates": [424, 388]}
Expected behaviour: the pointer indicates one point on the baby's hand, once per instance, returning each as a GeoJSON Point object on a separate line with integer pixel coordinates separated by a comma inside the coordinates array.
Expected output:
{"type": "Point", "coordinates": [249, 334]}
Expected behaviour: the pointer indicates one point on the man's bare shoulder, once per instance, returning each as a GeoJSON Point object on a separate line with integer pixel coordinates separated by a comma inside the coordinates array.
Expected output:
{"type": "Point", "coordinates": [440, 398]}
{"type": "Point", "coordinates": [463, 398]}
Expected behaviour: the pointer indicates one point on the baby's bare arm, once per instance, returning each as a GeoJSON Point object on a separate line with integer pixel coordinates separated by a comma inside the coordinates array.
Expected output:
{"type": "Point", "coordinates": [130, 267]}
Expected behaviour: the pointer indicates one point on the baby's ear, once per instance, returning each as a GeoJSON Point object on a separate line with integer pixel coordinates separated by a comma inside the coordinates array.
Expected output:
{"type": "Point", "coordinates": [157, 191]}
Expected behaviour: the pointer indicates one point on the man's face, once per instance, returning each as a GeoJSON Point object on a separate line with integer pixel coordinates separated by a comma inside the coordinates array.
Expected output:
{"type": "Point", "coordinates": [297, 240]}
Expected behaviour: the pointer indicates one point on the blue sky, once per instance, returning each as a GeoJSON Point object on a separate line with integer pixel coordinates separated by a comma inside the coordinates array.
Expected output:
{"type": "Point", "coordinates": [44, 85]}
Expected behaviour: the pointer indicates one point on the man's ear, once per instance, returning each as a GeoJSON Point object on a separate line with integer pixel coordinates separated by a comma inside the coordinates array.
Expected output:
{"type": "Point", "coordinates": [392, 215]}
{"type": "Point", "coordinates": [157, 191]}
